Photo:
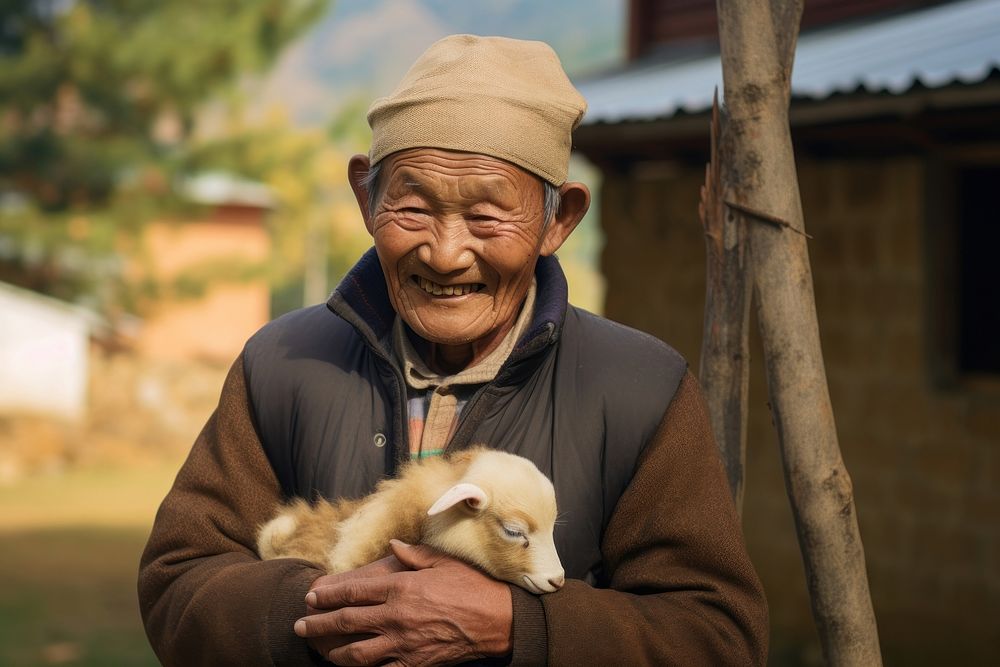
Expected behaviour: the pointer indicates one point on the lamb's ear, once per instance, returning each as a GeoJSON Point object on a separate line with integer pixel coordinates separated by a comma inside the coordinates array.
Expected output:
{"type": "Point", "coordinates": [473, 496]}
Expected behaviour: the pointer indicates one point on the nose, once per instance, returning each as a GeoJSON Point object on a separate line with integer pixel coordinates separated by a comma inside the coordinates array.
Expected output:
{"type": "Point", "coordinates": [557, 581]}
{"type": "Point", "coordinates": [449, 251]}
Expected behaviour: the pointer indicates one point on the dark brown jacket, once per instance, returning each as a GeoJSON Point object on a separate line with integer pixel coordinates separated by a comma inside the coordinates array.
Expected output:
{"type": "Point", "coordinates": [656, 567]}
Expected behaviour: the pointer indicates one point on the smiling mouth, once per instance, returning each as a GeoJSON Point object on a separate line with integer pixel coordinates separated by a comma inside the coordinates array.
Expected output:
{"type": "Point", "coordinates": [435, 289]}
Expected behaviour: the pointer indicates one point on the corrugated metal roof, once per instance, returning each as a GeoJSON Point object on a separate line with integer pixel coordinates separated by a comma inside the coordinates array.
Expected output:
{"type": "Point", "coordinates": [953, 43]}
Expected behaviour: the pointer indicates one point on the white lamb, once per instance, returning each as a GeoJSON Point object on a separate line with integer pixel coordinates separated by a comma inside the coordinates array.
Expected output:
{"type": "Point", "coordinates": [489, 508]}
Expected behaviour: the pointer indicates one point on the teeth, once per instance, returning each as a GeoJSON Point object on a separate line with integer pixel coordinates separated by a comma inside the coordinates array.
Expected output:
{"type": "Point", "coordinates": [446, 290]}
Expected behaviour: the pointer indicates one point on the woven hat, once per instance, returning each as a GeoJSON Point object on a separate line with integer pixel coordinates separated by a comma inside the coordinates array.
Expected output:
{"type": "Point", "coordinates": [502, 97]}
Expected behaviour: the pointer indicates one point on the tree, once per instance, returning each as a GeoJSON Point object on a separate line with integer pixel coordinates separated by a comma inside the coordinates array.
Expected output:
{"type": "Point", "coordinates": [755, 235]}
{"type": "Point", "coordinates": [97, 98]}
{"type": "Point", "coordinates": [316, 228]}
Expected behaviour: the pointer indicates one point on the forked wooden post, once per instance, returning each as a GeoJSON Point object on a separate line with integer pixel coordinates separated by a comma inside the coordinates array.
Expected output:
{"type": "Point", "coordinates": [725, 351]}
{"type": "Point", "coordinates": [752, 212]}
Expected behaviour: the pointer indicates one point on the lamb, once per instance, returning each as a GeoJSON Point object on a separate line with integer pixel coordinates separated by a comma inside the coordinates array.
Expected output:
{"type": "Point", "coordinates": [489, 508]}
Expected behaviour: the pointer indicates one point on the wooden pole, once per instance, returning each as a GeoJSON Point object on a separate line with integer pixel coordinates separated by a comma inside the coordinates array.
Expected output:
{"type": "Point", "coordinates": [757, 40]}
{"type": "Point", "coordinates": [725, 349]}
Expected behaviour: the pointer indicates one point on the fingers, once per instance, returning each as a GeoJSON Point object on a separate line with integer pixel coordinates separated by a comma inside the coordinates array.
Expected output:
{"type": "Point", "coordinates": [350, 593]}
{"type": "Point", "coordinates": [368, 652]}
{"type": "Point", "coordinates": [379, 568]}
{"type": "Point", "coordinates": [416, 556]}
{"type": "Point", "coordinates": [346, 621]}
{"type": "Point", "coordinates": [323, 645]}
{"type": "Point", "coordinates": [444, 613]}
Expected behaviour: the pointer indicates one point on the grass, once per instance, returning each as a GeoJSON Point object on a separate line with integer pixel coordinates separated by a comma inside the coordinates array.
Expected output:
{"type": "Point", "coordinates": [70, 551]}
{"type": "Point", "coordinates": [70, 597]}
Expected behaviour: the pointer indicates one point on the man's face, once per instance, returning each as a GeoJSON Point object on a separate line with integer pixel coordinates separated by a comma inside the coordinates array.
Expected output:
{"type": "Point", "coordinates": [458, 235]}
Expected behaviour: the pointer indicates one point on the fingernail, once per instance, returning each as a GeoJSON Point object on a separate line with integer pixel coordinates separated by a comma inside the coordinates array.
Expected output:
{"type": "Point", "coordinates": [399, 542]}
{"type": "Point", "coordinates": [311, 599]}
{"type": "Point", "coordinates": [300, 628]}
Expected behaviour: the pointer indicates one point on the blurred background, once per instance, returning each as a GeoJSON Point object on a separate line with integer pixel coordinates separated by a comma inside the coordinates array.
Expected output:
{"type": "Point", "coordinates": [172, 176]}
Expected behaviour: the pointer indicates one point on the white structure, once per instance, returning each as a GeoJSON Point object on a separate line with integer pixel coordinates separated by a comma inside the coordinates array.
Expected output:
{"type": "Point", "coordinates": [43, 354]}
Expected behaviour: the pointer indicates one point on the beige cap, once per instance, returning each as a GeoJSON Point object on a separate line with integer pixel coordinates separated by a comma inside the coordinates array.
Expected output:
{"type": "Point", "coordinates": [502, 97]}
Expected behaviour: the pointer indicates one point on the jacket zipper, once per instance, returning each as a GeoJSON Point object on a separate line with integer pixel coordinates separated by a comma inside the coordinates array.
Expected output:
{"type": "Point", "coordinates": [460, 439]}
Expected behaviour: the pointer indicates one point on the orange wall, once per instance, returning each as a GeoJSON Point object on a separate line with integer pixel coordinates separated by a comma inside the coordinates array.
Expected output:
{"type": "Point", "coordinates": [215, 325]}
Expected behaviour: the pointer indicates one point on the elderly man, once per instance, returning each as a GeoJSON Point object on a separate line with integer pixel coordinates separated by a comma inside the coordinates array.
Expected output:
{"type": "Point", "coordinates": [455, 330]}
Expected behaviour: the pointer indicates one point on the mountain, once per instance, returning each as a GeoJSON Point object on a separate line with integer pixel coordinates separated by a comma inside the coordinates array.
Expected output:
{"type": "Point", "coordinates": [360, 49]}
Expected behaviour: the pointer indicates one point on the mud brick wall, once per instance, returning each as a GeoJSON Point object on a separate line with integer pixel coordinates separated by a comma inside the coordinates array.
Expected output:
{"type": "Point", "coordinates": [925, 460]}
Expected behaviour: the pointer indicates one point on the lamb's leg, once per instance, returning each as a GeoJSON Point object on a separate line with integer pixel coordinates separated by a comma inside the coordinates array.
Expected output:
{"type": "Point", "coordinates": [274, 534]}
{"type": "Point", "coordinates": [301, 531]}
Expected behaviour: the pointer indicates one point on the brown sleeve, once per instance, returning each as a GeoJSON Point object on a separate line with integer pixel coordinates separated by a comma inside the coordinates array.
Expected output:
{"type": "Point", "coordinates": [682, 588]}
{"type": "Point", "coordinates": [205, 597]}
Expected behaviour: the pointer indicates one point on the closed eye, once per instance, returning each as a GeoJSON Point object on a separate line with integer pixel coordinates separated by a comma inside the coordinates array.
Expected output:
{"type": "Point", "coordinates": [513, 533]}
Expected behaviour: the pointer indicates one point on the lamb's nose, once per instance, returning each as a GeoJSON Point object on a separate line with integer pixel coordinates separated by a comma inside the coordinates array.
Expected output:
{"type": "Point", "coordinates": [557, 582]}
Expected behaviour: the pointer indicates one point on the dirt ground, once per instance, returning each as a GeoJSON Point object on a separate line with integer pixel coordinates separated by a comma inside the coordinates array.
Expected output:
{"type": "Point", "coordinates": [76, 504]}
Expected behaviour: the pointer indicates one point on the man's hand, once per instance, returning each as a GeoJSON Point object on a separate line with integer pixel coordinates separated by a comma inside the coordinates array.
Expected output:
{"type": "Point", "coordinates": [380, 568]}
{"type": "Point", "coordinates": [443, 611]}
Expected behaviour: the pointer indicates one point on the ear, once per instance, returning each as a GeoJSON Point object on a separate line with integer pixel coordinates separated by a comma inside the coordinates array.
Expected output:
{"type": "Point", "coordinates": [573, 205]}
{"type": "Point", "coordinates": [473, 496]}
{"type": "Point", "coordinates": [357, 170]}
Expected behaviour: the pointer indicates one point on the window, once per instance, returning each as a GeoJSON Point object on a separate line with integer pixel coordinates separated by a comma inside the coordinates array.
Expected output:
{"type": "Point", "coordinates": [963, 243]}
{"type": "Point", "coordinates": [978, 270]}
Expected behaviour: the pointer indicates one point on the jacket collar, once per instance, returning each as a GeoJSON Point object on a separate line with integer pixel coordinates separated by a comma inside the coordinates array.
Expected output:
{"type": "Point", "coordinates": [362, 299]}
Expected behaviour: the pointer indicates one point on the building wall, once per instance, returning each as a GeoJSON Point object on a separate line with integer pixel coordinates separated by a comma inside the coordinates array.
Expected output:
{"type": "Point", "coordinates": [657, 23]}
{"type": "Point", "coordinates": [214, 325]}
{"type": "Point", "coordinates": [43, 355]}
{"type": "Point", "coordinates": [925, 461]}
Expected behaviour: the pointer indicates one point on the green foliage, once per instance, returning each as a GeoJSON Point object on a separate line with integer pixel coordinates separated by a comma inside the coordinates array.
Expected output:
{"type": "Point", "coordinates": [97, 101]}
{"type": "Point", "coordinates": [316, 218]}
{"type": "Point", "coordinates": [349, 126]}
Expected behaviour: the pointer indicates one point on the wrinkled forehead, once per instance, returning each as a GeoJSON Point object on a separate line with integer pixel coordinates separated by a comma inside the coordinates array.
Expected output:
{"type": "Point", "coordinates": [431, 171]}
